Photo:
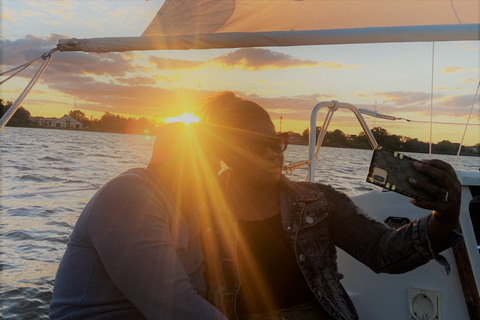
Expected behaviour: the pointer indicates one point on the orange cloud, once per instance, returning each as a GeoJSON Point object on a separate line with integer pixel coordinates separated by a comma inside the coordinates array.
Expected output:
{"type": "Point", "coordinates": [167, 79]}
{"type": "Point", "coordinates": [7, 15]}
{"type": "Point", "coordinates": [175, 64]}
{"type": "Point", "coordinates": [61, 13]}
{"type": "Point", "coordinates": [447, 89]}
{"type": "Point", "coordinates": [119, 12]}
{"type": "Point", "coordinates": [335, 65]}
{"type": "Point", "coordinates": [136, 81]}
{"type": "Point", "coordinates": [260, 59]}
{"type": "Point", "coordinates": [32, 14]}
{"type": "Point", "coordinates": [65, 4]}
{"type": "Point", "coordinates": [469, 80]}
{"type": "Point", "coordinates": [451, 69]}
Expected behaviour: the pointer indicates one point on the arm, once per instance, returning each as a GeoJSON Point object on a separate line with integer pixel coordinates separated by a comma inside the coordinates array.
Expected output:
{"type": "Point", "coordinates": [132, 231]}
{"type": "Point", "coordinates": [371, 242]}
{"type": "Point", "coordinates": [446, 211]}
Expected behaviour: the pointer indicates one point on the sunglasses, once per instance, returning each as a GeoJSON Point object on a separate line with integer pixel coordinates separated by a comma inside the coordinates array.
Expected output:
{"type": "Point", "coordinates": [259, 147]}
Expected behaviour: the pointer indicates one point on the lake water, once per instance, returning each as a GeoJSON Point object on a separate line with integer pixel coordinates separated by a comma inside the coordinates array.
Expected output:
{"type": "Point", "coordinates": [47, 177]}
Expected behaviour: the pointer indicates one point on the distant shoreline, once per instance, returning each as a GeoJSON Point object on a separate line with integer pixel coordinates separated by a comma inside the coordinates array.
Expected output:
{"type": "Point", "coordinates": [111, 123]}
{"type": "Point", "coordinates": [300, 143]}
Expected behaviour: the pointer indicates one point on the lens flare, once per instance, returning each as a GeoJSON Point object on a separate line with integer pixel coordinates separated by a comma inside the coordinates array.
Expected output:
{"type": "Point", "coordinates": [185, 118]}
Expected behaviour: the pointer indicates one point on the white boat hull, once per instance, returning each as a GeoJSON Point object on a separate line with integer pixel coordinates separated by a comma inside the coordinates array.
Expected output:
{"type": "Point", "coordinates": [383, 296]}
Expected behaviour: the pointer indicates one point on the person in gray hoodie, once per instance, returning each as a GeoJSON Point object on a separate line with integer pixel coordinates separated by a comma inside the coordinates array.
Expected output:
{"type": "Point", "coordinates": [135, 251]}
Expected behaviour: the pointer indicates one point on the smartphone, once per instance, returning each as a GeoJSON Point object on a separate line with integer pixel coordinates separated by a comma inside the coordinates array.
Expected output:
{"type": "Point", "coordinates": [392, 170]}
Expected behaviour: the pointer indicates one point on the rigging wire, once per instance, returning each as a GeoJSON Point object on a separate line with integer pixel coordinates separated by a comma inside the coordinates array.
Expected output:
{"type": "Point", "coordinates": [23, 67]}
{"type": "Point", "coordinates": [431, 101]}
{"type": "Point", "coordinates": [371, 113]}
{"type": "Point", "coordinates": [47, 57]}
{"type": "Point", "coordinates": [455, 11]}
{"type": "Point", "coordinates": [466, 125]}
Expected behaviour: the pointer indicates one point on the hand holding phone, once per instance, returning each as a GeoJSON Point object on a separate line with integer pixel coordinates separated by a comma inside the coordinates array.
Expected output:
{"type": "Point", "coordinates": [432, 183]}
{"type": "Point", "coordinates": [392, 170]}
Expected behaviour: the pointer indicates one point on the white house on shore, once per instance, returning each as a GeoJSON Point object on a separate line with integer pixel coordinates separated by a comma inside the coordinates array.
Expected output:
{"type": "Point", "coordinates": [66, 122]}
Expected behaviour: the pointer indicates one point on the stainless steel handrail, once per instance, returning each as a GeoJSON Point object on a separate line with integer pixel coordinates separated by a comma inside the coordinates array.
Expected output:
{"type": "Point", "coordinates": [313, 147]}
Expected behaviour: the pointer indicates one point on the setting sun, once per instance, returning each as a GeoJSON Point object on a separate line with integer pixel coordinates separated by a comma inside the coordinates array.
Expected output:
{"type": "Point", "coordinates": [185, 118]}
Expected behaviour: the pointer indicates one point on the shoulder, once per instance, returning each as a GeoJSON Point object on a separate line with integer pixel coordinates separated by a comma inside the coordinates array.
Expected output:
{"type": "Point", "coordinates": [131, 193]}
{"type": "Point", "coordinates": [132, 183]}
{"type": "Point", "coordinates": [328, 191]}
{"type": "Point", "coordinates": [336, 201]}
{"type": "Point", "coordinates": [137, 176]}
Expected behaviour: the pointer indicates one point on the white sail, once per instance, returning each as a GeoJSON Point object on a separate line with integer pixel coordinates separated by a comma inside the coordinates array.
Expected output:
{"type": "Point", "coordinates": [177, 17]}
{"type": "Point", "coordinates": [203, 24]}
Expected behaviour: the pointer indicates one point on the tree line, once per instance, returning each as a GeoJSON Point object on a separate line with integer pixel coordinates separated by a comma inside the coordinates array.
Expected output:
{"type": "Point", "coordinates": [109, 122]}
{"type": "Point", "coordinates": [339, 139]}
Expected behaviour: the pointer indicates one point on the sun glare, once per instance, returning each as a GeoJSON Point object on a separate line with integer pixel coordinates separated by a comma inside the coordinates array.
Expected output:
{"type": "Point", "coordinates": [185, 118]}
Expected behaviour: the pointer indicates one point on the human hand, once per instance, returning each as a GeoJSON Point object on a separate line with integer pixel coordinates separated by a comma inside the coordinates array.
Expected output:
{"type": "Point", "coordinates": [447, 192]}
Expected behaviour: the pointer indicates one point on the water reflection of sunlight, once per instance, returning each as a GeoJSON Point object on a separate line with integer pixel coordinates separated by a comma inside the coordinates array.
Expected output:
{"type": "Point", "coordinates": [185, 118]}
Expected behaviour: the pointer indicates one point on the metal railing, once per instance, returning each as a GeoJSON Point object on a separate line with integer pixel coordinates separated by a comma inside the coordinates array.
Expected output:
{"type": "Point", "coordinates": [314, 146]}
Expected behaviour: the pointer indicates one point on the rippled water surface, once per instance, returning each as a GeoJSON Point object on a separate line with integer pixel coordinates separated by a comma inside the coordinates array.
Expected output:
{"type": "Point", "coordinates": [47, 177]}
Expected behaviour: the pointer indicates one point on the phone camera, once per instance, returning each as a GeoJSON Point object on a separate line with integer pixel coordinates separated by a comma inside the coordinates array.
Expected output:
{"type": "Point", "coordinates": [394, 170]}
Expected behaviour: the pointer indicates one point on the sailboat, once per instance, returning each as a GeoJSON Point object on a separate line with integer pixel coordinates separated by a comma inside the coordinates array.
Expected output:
{"type": "Point", "coordinates": [425, 293]}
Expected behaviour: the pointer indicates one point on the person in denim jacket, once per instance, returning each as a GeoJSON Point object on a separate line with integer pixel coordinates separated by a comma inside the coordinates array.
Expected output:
{"type": "Point", "coordinates": [269, 243]}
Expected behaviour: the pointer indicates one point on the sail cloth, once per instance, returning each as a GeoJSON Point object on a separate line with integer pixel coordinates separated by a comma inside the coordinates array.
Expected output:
{"type": "Point", "coordinates": [203, 24]}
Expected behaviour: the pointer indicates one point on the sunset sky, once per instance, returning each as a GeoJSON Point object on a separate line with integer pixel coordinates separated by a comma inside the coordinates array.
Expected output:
{"type": "Point", "coordinates": [393, 78]}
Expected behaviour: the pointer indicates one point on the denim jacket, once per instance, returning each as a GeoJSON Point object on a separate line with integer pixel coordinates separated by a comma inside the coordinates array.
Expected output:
{"type": "Point", "coordinates": [316, 219]}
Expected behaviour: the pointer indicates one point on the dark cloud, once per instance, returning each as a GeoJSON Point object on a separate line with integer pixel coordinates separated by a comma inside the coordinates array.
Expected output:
{"type": "Point", "coordinates": [398, 103]}
{"type": "Point", "coordinates": [109, 64]}
{"type": "Point", "coordinates": [459, 101]}
{"type": "Point", "coordinates": [294, 108]}
{"type": "Point", "coordinates": [442, 104]}
{"type": "Point", "coordinates": [245, 58]}
{"type": "Point", "coordinates": [20, 51]}
{"type": "Point", "coordinates": [405, 98]}
{"type": "Point", "coordinates": [138, 100]}
{"type": "Point", "coordinates": [75, 74]}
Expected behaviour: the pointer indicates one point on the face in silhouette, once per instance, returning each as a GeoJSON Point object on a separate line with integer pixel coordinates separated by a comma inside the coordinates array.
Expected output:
{"type": "Point", "coordinates": [255, 154]}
